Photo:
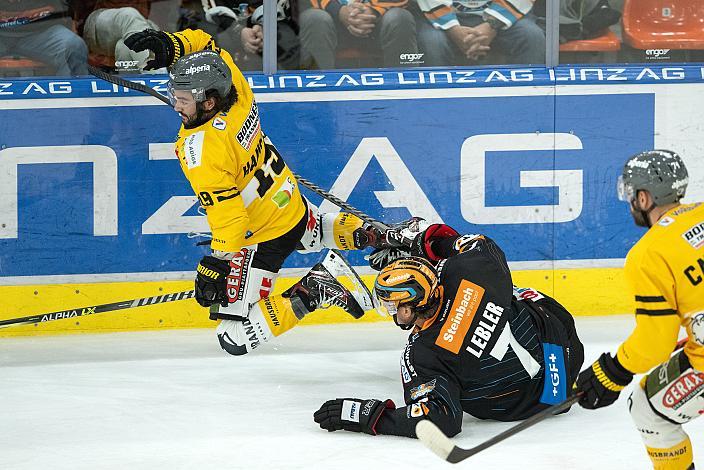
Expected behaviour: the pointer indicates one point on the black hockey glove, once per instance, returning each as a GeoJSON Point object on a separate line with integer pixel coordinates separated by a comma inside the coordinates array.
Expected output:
{"type": "Point", "coordinates": [397, 235]}
{"type": "Point", "coordinates": [352, 414]}
{"type": "Point", "coordinates": [602, 382]}
{"type": "Point", "coordinates": [166, 47]}
{"type": "Point", "coordinates": [211, 281]}
{"type": "Point", "coordinates": [422, 243]}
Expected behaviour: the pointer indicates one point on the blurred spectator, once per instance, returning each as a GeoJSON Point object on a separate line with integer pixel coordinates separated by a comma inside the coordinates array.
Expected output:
{"type": "Point", "coordinates": [458, 32]}
{"type": "Point", "coordinates": [583, 19]}
{"type": "Point", "coordinates": [327, 25]}
{"type": "Point", "coordinates": [41, 30]}
{"type": "Point", "coordinates": [241, 31]}
{"type": "Point", "coordinates": [104, 24]}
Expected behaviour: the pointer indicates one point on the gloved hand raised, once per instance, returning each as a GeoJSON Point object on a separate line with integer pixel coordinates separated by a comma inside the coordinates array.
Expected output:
{"type": "Point", "coordinates": [166, 47]}
{"type": "Point", "coordinates": [352, 414]}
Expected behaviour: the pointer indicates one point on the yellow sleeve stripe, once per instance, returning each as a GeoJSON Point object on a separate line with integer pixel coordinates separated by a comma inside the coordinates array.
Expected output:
{"type": "Point", "coordinates": [655, 312]}
{"type": "Point", "coordinates": [605, 380]}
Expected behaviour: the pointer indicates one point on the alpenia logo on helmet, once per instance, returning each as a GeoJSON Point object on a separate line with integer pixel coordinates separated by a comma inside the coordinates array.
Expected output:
{"type": "Point", "coordinates": [196, 69]}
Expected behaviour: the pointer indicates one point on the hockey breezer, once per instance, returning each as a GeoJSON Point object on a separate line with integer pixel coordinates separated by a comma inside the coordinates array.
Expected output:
{"type": "Point", "coordinates": [95, 309]}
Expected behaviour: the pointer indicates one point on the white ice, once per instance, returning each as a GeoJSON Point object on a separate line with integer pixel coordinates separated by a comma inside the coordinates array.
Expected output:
{"type": "Point", "coordinates": [174, 400]}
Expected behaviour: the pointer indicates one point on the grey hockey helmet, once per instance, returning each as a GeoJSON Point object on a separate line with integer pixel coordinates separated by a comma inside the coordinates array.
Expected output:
{"type": "Point", "coordinates": [198, 73]}
{"type": "Point", "coordinates": [660, 172]}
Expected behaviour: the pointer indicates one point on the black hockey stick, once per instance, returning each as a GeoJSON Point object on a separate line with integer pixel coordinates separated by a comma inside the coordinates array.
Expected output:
{"type": "Point", "coordinates": [94, 309]}
{"type": "Point", "coordinates": [308, 184]}
{"type": "Point", "coordinates": [433, 438]}
{"type": "Point", "coordinates": [127, 83]}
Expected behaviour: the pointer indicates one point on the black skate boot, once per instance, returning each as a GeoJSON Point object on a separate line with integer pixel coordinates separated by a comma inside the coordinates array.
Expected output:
{"type": "Point", "coordinates": [319, 289]}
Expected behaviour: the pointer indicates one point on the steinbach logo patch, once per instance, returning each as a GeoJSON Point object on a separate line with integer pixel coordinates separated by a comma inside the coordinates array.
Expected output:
{"type": "Point", "coordinates": [250, 128]}
{"type": "Point", "coordinates": [459, 319]}
{"type": "Point", "coordinates": [683, 389]}
{"type": "Point", "coordinates": [695, 236]}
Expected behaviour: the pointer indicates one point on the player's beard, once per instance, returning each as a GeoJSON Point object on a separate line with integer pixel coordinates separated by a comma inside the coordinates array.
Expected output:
{"type": "Point", "coordinates": [200, 118]}
{"type": "Point", "coordinates": [640, 216]}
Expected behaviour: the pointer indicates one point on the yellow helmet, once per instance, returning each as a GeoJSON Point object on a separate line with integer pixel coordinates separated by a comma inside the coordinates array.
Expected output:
{"type": "Point", "coordinates": [408, 281]}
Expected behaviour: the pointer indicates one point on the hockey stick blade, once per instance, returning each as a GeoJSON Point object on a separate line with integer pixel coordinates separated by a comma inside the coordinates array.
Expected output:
{"type": "Point", "coordinates": [338, 266]}
{"type": "Point", "coordinates": [433, 438]}
{"type": "Point", "coordinates": [95, 309]}
{"type": "Point", "coordinates": [96, 72]}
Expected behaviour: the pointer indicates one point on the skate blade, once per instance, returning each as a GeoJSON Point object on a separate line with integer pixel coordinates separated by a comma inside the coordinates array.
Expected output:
{"type": "Point", "coordinates": [339, 267]}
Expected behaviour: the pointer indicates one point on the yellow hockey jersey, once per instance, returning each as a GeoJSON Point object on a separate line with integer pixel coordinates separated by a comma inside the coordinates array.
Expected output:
{"type": "Point", "coordinates": [665, 270]}
{"type": "Point", "coordinates": [249, 194]}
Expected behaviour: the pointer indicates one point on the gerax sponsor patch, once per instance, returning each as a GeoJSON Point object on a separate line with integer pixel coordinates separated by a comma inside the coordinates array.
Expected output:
{"type": "Point", "coordinates": [695, 236]}
{"type": "Point", "coordinates": [683, 389]}
{"type": "Point", "coordinates": [459, 319]}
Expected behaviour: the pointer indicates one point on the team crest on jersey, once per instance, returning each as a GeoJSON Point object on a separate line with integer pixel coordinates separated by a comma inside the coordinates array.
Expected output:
{"type": "Point", "coordinates": [422, 389]}
{"type": "Point", "coordinates": [695, 236]}
{"type": "Point", "coordinates": [219, 124]}
{"type": "Point", "coordinates": [665, 221]}
{"type": "Point", "coordinates": [698, 328]}
{"type": "Point", "coordinates": [250, 128]}
{"type": "Point", "coordinates": [466, 242]}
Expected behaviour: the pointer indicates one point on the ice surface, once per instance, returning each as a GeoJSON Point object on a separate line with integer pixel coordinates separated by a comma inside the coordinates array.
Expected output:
{"type": "Point", "coordinates": [174, 400]}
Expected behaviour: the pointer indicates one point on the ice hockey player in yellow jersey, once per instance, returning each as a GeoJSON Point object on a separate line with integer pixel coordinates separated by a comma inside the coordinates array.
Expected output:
{"type": "Point", "coordinates": [665, 270]}
{"type": "Point", "coordinates": [254, 208]}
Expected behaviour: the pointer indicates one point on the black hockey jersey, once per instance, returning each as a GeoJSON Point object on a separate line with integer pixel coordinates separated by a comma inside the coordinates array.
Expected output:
{"type": "Point", "coordinates": [491, 350]}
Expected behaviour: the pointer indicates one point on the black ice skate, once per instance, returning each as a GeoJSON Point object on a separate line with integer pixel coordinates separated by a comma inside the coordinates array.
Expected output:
{"type": "Point", "coordinates": [318, 290]}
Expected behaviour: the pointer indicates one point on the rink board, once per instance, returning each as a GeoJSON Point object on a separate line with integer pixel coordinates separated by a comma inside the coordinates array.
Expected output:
{"type": "Point", "coordinates": [93, 204]}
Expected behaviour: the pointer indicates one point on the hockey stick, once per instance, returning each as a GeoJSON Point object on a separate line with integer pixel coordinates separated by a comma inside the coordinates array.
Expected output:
{"type": "Point", "coordinates": [433, 438]}
{"type": "Point", "coordinates": [94, 309]}
{"type": "Point", "coordinates": [127, 84]}
{"type": "Point", "coordinates": [308, 184]}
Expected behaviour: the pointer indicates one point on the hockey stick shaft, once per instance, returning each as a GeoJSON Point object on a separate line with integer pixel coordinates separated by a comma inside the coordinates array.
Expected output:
{"type": "Point", "coordinates": [430, 435]}
{"type": "Point", "coordinates": [95, 309]}
{"type": "Point", "coordinates": [308, 184]}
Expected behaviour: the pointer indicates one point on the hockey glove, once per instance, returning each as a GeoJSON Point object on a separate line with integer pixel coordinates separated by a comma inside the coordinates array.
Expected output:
{"type": "Point", "coordinates": [166, 47]}
{"type": "Point", "coordinates": [422, 243]}
{"type": "Point", "coordinates": [397, 235]}
{"type": "Point", "coordinates": [602, 382]}
{"type": "Point", "coordinates": [352, 414]}
{"type": "Point", "coordinates": [211, 281]}
{"type": "Point", "coordinates": [382, 257]}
